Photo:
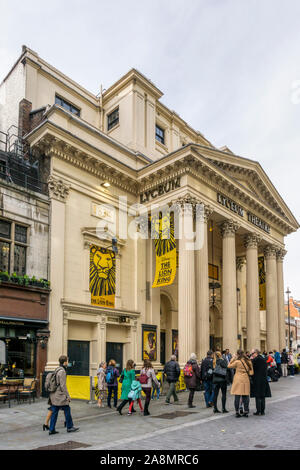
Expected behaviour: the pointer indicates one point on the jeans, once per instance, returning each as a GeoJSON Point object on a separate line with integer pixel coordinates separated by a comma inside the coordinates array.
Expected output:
{"type": "Point", "coordinates": [217, 387]}
{"type": "Point", "coordinates": [292, 370]}
{"type": "Point", "coordinates": [245, 400]}
{"type": "Point", "coordinates": [208, 393]}
{"type": "Point", "coordinates": [110, 390]}
{"type": "Point", "coordinates": [260, 404]}
{"type": "Point", "coordinates": [67, 411]}
{"type": "Point", "coordinates": [157, 390]}
{"type": "Point", "coordinates": [171, 391]}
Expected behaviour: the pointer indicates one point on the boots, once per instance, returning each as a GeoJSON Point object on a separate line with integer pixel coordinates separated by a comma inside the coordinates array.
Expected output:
{"type": "Point", "coordinates": [121, 406]}
{"type": "Point", "coordinates": [146, 412]}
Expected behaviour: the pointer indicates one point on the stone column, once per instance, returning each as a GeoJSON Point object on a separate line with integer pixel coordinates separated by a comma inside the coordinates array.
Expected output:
{"type": "Point", "coordinates": [202, 283]}
{"type": "Point", "coordinates": [229, 298]}
{"type": "Point", "coordinates": [58, 192]}
{"type": "Point", "coordinates": [186, 290]}
{"type": "Point", "coordinates": [66, 335]}
{"type": "Point", "coordinates": [280, 291]}
{"type": "Point", "coordinates": [271, 298]}
{"type": "Point", "coordinates": [241, 285]}
{"type": "Point", "coordinates": [252, 295]}
{"type": "Point", "coordinates": [101, 338]}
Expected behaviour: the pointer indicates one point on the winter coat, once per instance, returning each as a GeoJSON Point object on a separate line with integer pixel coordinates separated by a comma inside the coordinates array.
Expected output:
{"type": "Point", "coordinates": [61, 395]}
{"type": "Point", "coordinates": [217, 379]}
{"type": "Point", "coordinates": [191, 382]}
{"type": "Point", "coordinates": [136, 390]}
{"type": "Point", "coordinates": [284, 358]}
{"type": "Point", "coordinates": [260, 387]}
{"type": "Point", "coordinates": [129, 377]}
{"type": "Point", "coordinates": [172, 371]}
{"type": "Point", "coordinates": [241, 382]}
{"type": "Point", "coordinates": [151, 378]}
{"type": "Point", "coordinates": [206, 364]}
{"type": "Point", "coordinates": [277, 357]}
{"type": "Point", "coordinates": [116, 375]}
{"type": "Point", "coordinates": [102, 385]}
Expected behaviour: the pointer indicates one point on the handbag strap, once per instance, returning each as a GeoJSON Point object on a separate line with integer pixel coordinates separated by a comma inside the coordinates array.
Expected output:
{"type": "Point", "coordinates": [245, 368]}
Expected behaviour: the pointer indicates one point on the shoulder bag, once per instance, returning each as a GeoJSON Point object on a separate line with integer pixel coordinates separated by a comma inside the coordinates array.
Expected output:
{"type": "Point", "coordinates": [250, 376]}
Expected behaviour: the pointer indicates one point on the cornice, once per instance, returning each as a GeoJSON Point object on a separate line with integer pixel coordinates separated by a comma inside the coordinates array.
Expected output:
{"type": "Point", "coordinates": [72, 307]}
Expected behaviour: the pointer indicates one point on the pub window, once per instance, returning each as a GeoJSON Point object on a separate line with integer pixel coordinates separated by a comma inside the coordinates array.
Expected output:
{"type": "Point", "coordinates": [159, 134]}
{"type": "Point", "coordinates": [213, 272]}
{"type": "Point", "coordinates": [13, 246]}
{"type": "Point", "coordinates": [66, 105]}
{"type": "Point", "coordinates": [113, 119]}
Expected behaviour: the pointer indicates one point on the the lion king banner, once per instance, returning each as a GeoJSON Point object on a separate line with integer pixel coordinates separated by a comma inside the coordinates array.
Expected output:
{"type": "Point", "coordinates": [262, 283]}
{"type": "Point", "coordinates": [102, 277]}
{"type": "Point", "coordinates": [165, 249]}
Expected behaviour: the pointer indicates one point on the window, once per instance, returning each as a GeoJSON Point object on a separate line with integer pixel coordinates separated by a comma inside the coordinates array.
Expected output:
{"type": "Point", "coordinates": [113, 119]}
{"type": "Point", "coordinates": [13, 245]}
{"type": "Point", "coordinates": [66, 105]}
{"type": "Point", "coordinates": [160, 134]}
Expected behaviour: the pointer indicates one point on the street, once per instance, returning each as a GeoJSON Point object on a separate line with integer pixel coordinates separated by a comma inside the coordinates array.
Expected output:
{"type": "Point", "coordinates": [199, 428]}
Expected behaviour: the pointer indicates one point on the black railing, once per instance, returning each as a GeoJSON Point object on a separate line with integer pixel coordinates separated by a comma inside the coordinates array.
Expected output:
{"type": "Point", "coordinates": [20, 177]}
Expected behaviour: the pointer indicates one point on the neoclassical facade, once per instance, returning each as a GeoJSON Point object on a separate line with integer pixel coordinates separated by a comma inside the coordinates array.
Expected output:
{"type": "Point", "coordinates": [126, 148]}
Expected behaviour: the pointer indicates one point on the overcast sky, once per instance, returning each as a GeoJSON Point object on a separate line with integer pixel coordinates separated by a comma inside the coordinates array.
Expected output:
{"type": "Point", "coordinates": [230, 68]}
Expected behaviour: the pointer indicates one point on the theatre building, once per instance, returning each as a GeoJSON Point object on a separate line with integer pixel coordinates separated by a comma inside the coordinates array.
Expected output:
{"type": "Point", "coordinates": [116, 292]}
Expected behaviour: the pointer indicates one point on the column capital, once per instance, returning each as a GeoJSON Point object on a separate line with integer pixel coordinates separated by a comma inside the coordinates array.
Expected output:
{"type": "Point", "coordinates": [270, 252]}
{"type": "Point", "coordinates": [240, 262]}
{"type": "Point", "coordinates": [228, 228]}
{"type": "Point", "coordinates": [280, 255]}
{"type": "Point", "coordinates": [203, 211]}
{"type": "Point", "coordinates": [58, 189]}
{"type": "Point", "coordinates": [252, 240]}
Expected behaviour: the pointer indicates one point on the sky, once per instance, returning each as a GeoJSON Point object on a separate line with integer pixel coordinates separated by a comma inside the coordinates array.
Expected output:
{"type": "Point", "coordinates": [230, 68]}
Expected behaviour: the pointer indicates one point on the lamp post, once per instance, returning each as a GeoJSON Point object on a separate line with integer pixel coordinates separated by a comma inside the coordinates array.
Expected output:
{"type": "Point", "coordinates": [289, 318]}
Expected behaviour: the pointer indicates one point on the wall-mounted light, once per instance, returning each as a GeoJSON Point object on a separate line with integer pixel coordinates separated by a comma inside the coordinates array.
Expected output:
{"type": "Point", "coordinates": [105, 184]}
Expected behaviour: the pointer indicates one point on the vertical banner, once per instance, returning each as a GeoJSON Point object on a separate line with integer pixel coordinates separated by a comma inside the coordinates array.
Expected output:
{"type": "Point", "coordinates": [165, 249]}
{"type": "Point", "coordinates": [102, 277]}
{"type": "Point", "coordinates": [149, 342]}
{"type": "Point", "coordinates": [175, 342]}
{"type": "Point", "coordinates": [262, 283]}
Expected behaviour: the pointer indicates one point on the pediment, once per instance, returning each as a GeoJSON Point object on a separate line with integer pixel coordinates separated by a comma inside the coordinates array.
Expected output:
{"type": "Point", "coordinates": [100, 236]}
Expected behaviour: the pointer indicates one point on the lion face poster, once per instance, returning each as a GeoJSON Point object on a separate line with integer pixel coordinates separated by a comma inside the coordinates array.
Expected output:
{"type": "Point", "coordinates": [102, 277]}
{"type": "Point", "coordinates": [165, 249]}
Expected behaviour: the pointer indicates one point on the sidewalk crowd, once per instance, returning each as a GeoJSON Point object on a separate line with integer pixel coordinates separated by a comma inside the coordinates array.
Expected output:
{"type": "Point", "coordinates": [248, 375]}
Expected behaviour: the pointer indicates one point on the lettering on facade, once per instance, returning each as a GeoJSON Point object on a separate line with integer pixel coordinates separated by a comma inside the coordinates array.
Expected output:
{"type": "Point", "coordinates": [103, 212]}
{"type": "Point", "coordinates": [160, 190]}
{"type": "Point", "coordinates": [258, 222]}
{"type": "Point", "coordinates": [233, 206]}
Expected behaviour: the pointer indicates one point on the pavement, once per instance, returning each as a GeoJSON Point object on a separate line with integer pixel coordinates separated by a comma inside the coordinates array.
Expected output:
{"type": "Point", "coordinates": [169, 427]}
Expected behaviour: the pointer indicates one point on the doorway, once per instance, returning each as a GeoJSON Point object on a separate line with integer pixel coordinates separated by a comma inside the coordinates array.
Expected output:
{"type": "Point", "coordinates": [115, 351]}
{"type": "Point", "coordinates": [79, 357]}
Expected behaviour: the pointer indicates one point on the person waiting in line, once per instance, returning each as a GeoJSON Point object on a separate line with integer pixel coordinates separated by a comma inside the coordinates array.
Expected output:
{"type": "Point", "coordinates": [172, 373]}
{"type": "Point", "coordinates": [241, 381]}
{"type": "Point", "coordinates": [284, 363]}
{"type": "Point", "coordinates": [127, 377]}
{"type": "Point", "coordinates": [219, 380]}
{"type": "Point", "coordinates": [147, 377]}
{"type": "Point", "coordinates": [206, 377]}
{"type": "Point", "coordinates": [156, 389]}
{"type": "Point", "coordinates": [291, 364]}
{"type": "Point", "coordinates": [101, 384]}
{"type": "Point", "coordinates": [277, 358]}
{"type": "Point", "coordinates": [60, 399]}
{"type": "Point", "coordinates": [112, 375]}
{"type": "Point", "coordinates": [260, 388]}
{"type": "Point", "coordinates": [191, 377]}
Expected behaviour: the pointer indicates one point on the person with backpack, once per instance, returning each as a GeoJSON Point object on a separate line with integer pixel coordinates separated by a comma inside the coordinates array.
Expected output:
{"type": "Point", "coordinates": [191, 374]}
{"type": "Point", "coordinates": [112, 375]}
{"type": "Point", "coordinates": [126, 379]}
{"type": "Point", "coordinates": [172, 372]}
{"type": "Point", "coordinates": [135, 394]}
{"type": "Point", "coordinates": [59, 396]}
{"type": "Point", "coordinates": [277, 358]}
{"type": "Point", "coordinates": [146, 378]}
{"type": "Point", "coordinates": [101, 383]}
{"type": "Point", "coordinates": [219, 380]}
{"type": "Point", "coordinates": [206, 377]}
{"type": "Point", "coordinates": [241, 381]}
{"type": "Point", "coordinates": [284, 363]}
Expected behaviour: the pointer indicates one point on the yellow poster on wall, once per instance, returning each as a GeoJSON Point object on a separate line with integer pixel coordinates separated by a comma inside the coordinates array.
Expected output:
{"type": "Point", "coordinates": [165, 249]}
{"type": "Point", "coordinates": [262, 283]}
{"type": "Point", "coordinates": [102, 277]}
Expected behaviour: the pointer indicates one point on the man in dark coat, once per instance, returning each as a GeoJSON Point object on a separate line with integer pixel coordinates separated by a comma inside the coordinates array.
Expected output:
{"type": "Point", "coordinates": [191, 381]}
{"type": "Point", "coordinates": [172, 372]}
{"type": "Point", "coordinates": [260, 389]}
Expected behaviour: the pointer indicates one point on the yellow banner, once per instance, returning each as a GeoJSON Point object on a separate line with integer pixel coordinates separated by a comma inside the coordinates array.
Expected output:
{"type": "Point", "coordinates": [262, 283]}
{"type": "Point", "coordinates": [165, 249]}
{"type": "Point", "coordinates": [102, 277]}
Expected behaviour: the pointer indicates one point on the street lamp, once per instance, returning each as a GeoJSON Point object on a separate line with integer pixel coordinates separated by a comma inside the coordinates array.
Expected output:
{"type": "Point", "coordinates": [289, 318]}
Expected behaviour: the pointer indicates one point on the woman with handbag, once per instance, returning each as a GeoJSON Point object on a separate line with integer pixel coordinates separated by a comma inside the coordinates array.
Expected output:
{"type": "Point", "coordinates": [146, 378]}
{"type": "Point", "coordinates": [219, 380]}
{"type": "Point", "coordinates": [126, 379]}
{"type": "Point", "coordinates": [241, 381]}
